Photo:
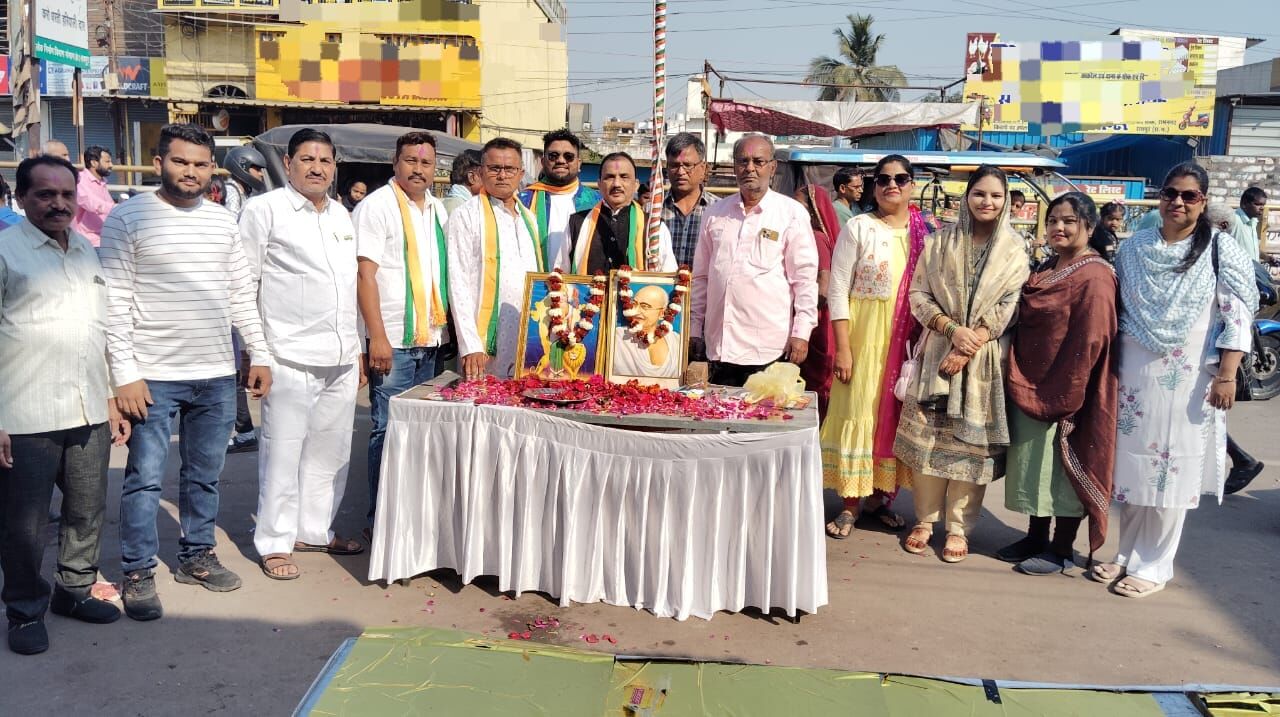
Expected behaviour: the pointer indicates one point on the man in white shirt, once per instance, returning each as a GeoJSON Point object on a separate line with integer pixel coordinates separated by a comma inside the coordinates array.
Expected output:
{"type": "Point", "coordinates": [486, 296]}
{"type": "Point", "coordinates": [403, 285]}
{"type": "Point", "coordinates": [177, 283]}
{"type": "Point", "coordinates": [302, 248]}
{"type": "Point", "coordinates": [57, 417]}
{"type": "Point", "coordinates": [1253, 202]}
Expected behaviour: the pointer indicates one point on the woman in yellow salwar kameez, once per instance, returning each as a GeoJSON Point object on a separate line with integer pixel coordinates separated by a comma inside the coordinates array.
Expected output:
{"type": "Point", "coordinates": [875, 257]}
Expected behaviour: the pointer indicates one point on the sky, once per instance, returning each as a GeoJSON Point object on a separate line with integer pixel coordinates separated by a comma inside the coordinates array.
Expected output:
{"type": "Point", "coordinates": [610, 41]}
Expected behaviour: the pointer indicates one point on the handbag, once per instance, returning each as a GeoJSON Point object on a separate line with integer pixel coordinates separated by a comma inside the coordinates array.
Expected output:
{"type": "Point", "coordinates": [910, 369]}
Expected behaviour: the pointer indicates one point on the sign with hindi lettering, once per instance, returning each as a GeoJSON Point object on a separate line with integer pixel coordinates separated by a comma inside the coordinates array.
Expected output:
{"type": "Point", "coordinates": [62, 32]}
{"type": "Point", "coordinates": [1150, 86]}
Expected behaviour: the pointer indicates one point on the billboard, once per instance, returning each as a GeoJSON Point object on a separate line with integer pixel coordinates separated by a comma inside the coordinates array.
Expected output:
{"type": "Point", "coordinates": [1154, 86]}
{"type": "Point", "coordinates": [62, 32]}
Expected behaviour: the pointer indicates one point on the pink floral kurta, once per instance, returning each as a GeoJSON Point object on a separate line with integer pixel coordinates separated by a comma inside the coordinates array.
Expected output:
{"type": "Point", "coordinates": [1170, 443]}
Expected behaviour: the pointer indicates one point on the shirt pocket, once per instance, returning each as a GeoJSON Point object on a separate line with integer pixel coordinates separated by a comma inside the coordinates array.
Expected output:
{"type": "Point", "coordinates": [766, 251]}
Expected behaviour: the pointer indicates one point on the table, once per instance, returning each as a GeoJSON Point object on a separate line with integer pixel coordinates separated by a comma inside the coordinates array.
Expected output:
{"type": "Point", "coordinates": [677, 523]}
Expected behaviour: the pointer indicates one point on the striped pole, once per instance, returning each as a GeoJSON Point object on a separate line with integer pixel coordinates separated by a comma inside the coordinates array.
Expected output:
{"type": "Point", "coordinates": [659, 126]}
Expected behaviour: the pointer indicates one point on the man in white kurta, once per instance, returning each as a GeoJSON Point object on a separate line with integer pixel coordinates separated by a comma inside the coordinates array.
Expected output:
{"type": "Point", "coordinates": [487, 341]}
{"type": "Point", "coordinates": [302, 248]}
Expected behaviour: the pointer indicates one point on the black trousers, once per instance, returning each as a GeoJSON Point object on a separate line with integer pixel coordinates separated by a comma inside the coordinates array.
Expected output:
{"type": "Point", "coordinates": [732, 374]}
{"type": "Point", "coordinates": [76, 461]}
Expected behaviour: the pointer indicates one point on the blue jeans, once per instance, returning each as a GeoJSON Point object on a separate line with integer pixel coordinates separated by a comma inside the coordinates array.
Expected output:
{"type": "Point", "coordinates": [206, 412]}
{"type": "Point", "coordinates": [409, 367]}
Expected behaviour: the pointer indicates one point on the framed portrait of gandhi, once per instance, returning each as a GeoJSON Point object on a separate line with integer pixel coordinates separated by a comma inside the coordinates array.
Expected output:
{"type": "Point", "coordinates": [647, 320]}
{"type": "Point", "coordinates": [561, 336]}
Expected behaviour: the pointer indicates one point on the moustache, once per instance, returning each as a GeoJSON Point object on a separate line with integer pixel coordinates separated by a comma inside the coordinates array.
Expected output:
{"type": "Point", "coordinates": [57, 213]}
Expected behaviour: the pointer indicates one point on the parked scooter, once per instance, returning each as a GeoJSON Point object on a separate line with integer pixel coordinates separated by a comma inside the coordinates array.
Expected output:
{"type": "Point", "coordinates": [1266, 346]}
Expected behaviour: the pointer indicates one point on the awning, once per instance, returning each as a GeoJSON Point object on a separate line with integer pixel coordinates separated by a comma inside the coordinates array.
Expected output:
{"type": "Point", "coordinates": [831, 119]}
{"type": "Point", "coordinates": [338, 106]}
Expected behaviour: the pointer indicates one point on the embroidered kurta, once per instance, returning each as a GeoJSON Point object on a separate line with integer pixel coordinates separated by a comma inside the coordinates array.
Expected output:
{"type": "Point", "coordinates": [466, 279]}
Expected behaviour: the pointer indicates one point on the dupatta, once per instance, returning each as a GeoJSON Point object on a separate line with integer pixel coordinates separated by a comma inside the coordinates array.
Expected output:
{"type": "Point", "coordinates": [905, 328]}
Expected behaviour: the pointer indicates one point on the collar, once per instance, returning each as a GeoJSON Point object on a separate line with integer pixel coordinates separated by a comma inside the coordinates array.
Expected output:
{"type": "Point", "coordinates": [499, 204]}
{"type": "Point", "coordinates": [460, 191]}
{"type": "Point", "coordinates": [92, 176]}
{"type": "Point", "coordinates": [703, 198]}
{"type": "Point", "coordinates": [37, 238]}
{"type": "Point", "coordinates": [297, 201]}
{"type": "Point", "coordinates": [614, 212]}
{"type": "Point", "coordinates": [759, 207]}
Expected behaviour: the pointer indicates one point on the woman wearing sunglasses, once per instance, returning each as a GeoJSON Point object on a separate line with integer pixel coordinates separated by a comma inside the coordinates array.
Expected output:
{"type": "Point", "coordinates": [1062, 394]}
{"type": "Point", "coordinates": [954, 430]}
{"type": "Point", "coordinates": [1187, 297]}
{"type": "Point", "coordinates": [871, 270]}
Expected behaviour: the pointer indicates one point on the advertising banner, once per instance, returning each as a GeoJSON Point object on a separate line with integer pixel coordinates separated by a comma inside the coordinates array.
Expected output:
{"type": "Point", "coordinates": [62, 32]}
{"type": "Point", "coordinates": [1155, 86]}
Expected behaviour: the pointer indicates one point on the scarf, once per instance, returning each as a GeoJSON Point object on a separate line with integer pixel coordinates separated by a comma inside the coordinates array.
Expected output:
{"type": "Point", "coordinates": [905, 328]}
{"type": "Point", "coordinates": [587, 237]}
{"type": "Point", "coordinates": [1062, 370]}
{"type": "Point", "coordinates": [417, 327]}
{"type": "Point", "coordinates": [817, 369]}
{"type": "Point", "coordinates": [974, 397]}
{"type": "Point", "coordinates": [1159, 305]}
{"type": "Point", "coordinates": [536, 198]}
{"type": "Point", "coordinates": [491, 269]}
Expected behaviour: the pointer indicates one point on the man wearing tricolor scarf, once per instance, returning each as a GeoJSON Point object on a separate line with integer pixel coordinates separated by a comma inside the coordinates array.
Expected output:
{"type": "Point", "coordinates": [493, 241]}
{"type": "Point", "coordinates": [558, 193]}
{"type": "Point", "coordinates": [614, 232]}
{"type": "Point", "coordinates": [403, 284]}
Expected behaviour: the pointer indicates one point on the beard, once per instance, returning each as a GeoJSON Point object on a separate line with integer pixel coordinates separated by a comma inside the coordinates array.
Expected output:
{"type": "Point", "coordinates": [175, 190]}
{"type": "Point", "coordinates": [103, 173]}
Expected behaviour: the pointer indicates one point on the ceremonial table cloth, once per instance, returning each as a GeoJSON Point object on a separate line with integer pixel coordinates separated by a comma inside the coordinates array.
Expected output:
{"type": "Point", "coordinates": [680, 524]}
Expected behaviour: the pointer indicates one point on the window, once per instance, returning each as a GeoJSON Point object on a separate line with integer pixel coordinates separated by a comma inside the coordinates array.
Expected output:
{"type": "Point", "coordinates": [333, 37]}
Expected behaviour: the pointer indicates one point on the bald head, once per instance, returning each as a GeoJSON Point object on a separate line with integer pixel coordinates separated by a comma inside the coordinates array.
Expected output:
{"type": "Point", "coordinates": [56, 148]}
{"type": "Point", "coordinates": [651, 300]}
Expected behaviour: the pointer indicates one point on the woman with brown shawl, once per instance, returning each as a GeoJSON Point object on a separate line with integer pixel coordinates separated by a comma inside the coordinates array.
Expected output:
{"type": "Point", "coordinates": [954, 432]}
{"type": "Point", "coordinates": [1062, 394]}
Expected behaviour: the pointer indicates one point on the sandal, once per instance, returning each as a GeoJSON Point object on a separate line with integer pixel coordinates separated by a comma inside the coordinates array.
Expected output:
{"type": "Point", "coordinates": [841, 526]}
{"type": "Point", "coordinates": [955, 555]}
{"type": "Point", "coordinates": [1132, 587]}
{"type": "Point", "coordinates": [918, 541]}
{"type": "Point", "coordinates": [275, 561]}
{"type": "Point", "coordinates": [887, 519]}
{"type": "Point", "coordinates": [1106, 573]}
{"type": "Point", "coordinates": [338, 546]}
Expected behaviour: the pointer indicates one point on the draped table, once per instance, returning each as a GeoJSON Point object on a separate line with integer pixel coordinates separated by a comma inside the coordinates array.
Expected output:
{"type": "Point", "coordinates": [677, 523]}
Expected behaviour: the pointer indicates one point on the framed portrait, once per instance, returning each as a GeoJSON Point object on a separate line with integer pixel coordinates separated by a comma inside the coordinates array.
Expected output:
{"type": "Point", "coordinates": [647, 322]}
{"type": "Point", "coordinates": [562, 336]}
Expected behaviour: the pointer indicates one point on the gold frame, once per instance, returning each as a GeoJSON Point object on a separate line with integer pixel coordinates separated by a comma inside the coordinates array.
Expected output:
{"type": "Point", "coordinates": [602, 339]}
{"type": "Point", "coordinates": [612, 311]}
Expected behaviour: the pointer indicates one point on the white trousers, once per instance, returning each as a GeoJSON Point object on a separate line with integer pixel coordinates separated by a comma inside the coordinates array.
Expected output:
{"type": "Point", "coordinates": [304, 453]}
{"type": "Point", "coordinates": [1149, 539]}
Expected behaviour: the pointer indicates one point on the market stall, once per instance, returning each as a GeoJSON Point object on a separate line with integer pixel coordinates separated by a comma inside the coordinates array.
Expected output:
{"type": "Point", "coordinates": [720, 510]}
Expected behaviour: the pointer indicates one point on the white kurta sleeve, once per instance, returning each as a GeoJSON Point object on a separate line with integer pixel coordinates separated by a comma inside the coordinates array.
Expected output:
{"type": "Point", "coordinates": [666, 253]}
{"type": "Point", "coordinates": [466, 264]}
{"type": "Point", "coordinates": [255, 229]}
{"type": "Point", "coordinates": [843, 260]}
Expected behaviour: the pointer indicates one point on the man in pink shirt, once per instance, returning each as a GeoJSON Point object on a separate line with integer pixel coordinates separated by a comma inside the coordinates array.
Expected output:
{"type": "Point", "coordinates": [93, 195]}
{"type": "Point", "coordinates": [755, 273]}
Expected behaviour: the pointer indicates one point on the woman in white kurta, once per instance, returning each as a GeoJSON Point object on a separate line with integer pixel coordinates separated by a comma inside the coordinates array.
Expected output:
{"type": "Point", "coordinates": [1188, 297]}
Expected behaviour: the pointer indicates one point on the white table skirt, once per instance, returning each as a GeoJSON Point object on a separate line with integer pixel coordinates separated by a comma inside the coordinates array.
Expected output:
{"type": "Point", "coordinates": [680, 524]}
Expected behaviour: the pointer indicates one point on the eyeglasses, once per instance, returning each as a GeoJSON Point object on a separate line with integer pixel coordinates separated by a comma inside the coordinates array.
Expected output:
{"type": "Point", "coordinates": [744, 162]}
{"type": "Point", "coordinates": [498, 170]}
{"type": "Point", "coordinates": [1189, 196]}
{"type": "Point", "coordinates": [557, 156]}
{"type": "Point", "coordinates": [646, 307]}
{"type": "Point", "coordinates": [902, 180]}
{"type": "Point", "coordinates": [682, 167]}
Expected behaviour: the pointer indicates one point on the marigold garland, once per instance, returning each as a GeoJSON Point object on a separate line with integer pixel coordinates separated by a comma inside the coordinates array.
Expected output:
{"type": "Point", "coordinates": [684, 277]}
{"type": "Point", "coordinates": [558, 309]}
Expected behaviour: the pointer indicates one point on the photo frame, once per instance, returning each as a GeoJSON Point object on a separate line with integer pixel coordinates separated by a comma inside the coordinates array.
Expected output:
{"type": "Point", "coordinates": [631, 354]}
{"type": "Point", "coordinates": [538, 353]}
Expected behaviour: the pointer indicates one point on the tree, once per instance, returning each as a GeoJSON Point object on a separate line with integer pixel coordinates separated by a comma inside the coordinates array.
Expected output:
{"type": "Point", "coordinates": [856, 65]}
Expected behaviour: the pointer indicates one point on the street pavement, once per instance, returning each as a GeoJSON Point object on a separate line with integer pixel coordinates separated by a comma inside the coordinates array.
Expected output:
{"type": "Point", "coordinates": [255, 651]}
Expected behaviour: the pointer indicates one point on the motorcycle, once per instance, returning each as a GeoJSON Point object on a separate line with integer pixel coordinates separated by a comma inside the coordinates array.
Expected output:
{"type": "Point", "coordinates": [1265, 357]}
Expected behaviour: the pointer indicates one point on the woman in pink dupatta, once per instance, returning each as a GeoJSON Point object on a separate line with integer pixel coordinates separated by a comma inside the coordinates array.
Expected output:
{"type": "Point", "coordinates": [871, 321]}
{"type": "Point", "coordinates": [817, 369]}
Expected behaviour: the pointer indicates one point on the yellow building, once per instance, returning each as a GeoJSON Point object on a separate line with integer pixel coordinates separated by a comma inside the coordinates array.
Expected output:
{"type": "Point", "coordinates": [474, 69]}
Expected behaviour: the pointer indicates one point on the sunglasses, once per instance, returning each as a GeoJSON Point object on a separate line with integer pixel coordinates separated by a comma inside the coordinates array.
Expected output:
{"type": "Point", "coordinates": [557, 156]}
{"type": "Point", "coordinates": [902, 180]}
{"type": "Point", "coordinates": [1189, 196]}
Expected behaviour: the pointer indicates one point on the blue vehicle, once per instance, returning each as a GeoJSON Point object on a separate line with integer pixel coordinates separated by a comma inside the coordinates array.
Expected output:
{"type": "Point", "coordinates": [1266, 347]}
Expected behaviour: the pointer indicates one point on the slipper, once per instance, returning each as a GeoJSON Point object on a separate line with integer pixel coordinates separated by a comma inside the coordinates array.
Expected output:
{"type": "Point", "coordinates": [1123, 589]}
{"type": "Point", "coordinates": [337, 547]}
{"type": "Point", "coordinates": [883, 518]}
{"type": "Point", "coordinates": [955, 554]}
{"type": "Point", "coordinates": [1106, 573]}
{"type": "Point", "coordinates": [922, 544]}
{"type": "Point", "coordinates": [272, 561]}
{"type": "Point", "coordinates": [843, 525]}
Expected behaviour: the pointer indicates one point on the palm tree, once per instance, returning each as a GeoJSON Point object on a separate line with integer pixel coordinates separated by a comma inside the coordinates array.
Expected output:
{"type": "Point", "coordinates": [856, 65]}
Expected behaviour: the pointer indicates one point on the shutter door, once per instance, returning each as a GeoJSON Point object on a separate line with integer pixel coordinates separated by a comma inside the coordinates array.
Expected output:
{"type": "Point", "coordinates": [1255, 132]}
{"type": "Point", "coordinates": [99, 126]}
{"type": "Point", "coordinates": [60, 127]}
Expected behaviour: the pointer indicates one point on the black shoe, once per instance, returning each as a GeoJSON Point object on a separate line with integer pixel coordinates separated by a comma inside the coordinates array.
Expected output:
{"type": "Point", "coordinates": [85, 609]}
{"type": "Point", "coordinates": [28, 638]}
{"type": "Point", "coordinates": [243, 442]}
{"type": "Point", "coordinates": [1045, 563]}
{"type": "Point", "coordinates": [1240, 478]}
{"type": "Point", "coordinates": [1028, 547]}
{"type": "Point", "coordinates": [140, 599]}
{"type": "Point", "coordinates": [206, 570]}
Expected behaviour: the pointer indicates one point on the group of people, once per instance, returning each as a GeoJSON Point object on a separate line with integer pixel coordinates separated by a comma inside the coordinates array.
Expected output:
{"type": "Point", "coordinates": [905, 336]}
